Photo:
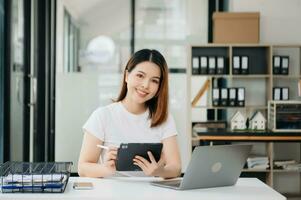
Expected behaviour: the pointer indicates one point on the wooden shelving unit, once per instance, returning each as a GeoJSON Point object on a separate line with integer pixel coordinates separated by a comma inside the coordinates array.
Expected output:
{"type": "Point", "coordinates": [258, 84]}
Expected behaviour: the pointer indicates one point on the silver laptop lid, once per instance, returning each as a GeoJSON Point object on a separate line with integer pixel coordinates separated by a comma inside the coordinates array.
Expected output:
{"type": "Point", "coordinates": [214, 166]}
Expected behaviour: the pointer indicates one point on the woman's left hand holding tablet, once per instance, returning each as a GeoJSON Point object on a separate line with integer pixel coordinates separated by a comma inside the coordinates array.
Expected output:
{"type": "Point", "coordinates": [152, 168]}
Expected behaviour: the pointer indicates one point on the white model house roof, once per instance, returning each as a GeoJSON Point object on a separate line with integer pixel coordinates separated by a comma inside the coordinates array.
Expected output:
{"type": "Point", "coordinates": [258, 116]}
{"type": "Point", "coordinates": [238, 115]}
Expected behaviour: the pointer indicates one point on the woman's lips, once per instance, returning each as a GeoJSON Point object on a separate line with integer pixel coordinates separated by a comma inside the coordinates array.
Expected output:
{"type": "Point", "coordinates": [141, 93]}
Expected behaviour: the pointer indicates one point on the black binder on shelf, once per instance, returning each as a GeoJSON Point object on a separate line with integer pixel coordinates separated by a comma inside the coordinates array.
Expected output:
{"type": "Point", "coordinates": [241, 97]}
{"type": "Point", "coordinates": [236, 65]}
{"type": "Point", "coordinates": [195, 65]}
{"type": "Point", "coordinates": [224, 97]}
{"type": "Point", "coordinates": [276, 64]}
{"type": "Point", "coordinates": [232, 96]}
{"type": "Point", "coordinates": [276, 93]}
{"type": "Point", "coordinates": [221, 68]}
{"type": "Point", "coordinates": [204, 65]}
{"type": "Point", "coordinates": [244, 64]}
{"type": "Point", "coordinates": [212, 65]}
{"type": "Point", "coordinates": [285, 93]}
{"type": "Point", "coordinates": [215, 96]}
{"type": "Point", "coordinates": [284, 65]}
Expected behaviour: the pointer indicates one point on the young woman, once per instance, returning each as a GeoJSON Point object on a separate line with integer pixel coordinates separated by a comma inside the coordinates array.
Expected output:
{"type": "Point", "coordinates": [139, 115]}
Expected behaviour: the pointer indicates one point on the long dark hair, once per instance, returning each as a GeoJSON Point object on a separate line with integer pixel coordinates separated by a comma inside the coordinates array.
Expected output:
{"type": "Point", "coordinates": [158, 105]}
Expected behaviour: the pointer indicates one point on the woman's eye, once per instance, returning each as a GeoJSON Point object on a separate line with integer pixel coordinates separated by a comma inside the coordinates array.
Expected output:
{"type": "Point", "coordinates": [156, 81]}
{"type": "Point", "coordinates": [139, 75]}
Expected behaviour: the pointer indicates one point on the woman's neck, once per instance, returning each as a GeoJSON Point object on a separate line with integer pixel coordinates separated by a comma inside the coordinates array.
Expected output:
{"type": "Point", "coordinates": [133, 107]}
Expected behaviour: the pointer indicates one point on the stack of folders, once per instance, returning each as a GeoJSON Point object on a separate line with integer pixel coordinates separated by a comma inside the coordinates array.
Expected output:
{"type": "Point", "coordinates": [287, 164]}
{"type": "Point", "coordinates": [258, 162]}
{"type": "Point", "coordinates": [33, 183]}
{"type": "Point", "coordinates": [295, 167]}
{"type": "Point", "coordinates": [50, 177]}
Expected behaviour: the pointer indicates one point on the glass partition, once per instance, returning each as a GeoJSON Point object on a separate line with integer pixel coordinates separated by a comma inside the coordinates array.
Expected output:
{"type": "Point", "coordinates": [16, 68]}
{"type": "Point", "coordinates": [161, 25]}
{"type": "Point", "coordinates": [94, 37]}
{"type": "Point", "coordinates": [71, 48]}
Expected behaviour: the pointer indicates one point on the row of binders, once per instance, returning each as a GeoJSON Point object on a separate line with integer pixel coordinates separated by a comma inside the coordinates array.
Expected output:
{"type": "Point", "coordinates": [228, 97]}
{"type": "Point", "coordinates": [209, 65]}
{"type": "Point", "coordinates": [280, 65]}
{"type": "Point", "coordinates": [280, 93]}
{"type": "Point", "coordinates": [217, 65]}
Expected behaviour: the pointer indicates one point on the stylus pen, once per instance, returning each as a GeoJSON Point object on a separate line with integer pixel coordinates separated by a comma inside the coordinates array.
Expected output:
{"type": "Point", "coordinates": [103, 147]}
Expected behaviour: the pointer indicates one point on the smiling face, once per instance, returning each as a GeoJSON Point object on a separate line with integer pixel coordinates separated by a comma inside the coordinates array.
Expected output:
{"type": "Point", "coordinates": [143, 82]}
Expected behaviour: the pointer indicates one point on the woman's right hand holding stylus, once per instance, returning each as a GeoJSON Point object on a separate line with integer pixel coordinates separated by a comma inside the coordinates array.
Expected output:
{"type": "Point", "coordinates": [110, 159]}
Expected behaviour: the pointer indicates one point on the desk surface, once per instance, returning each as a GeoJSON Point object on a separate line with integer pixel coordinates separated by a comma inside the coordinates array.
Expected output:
{"type": "Point", "coordinates": [139, 188]}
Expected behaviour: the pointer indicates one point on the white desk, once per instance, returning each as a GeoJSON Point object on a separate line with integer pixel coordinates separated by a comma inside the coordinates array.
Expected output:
{"type": "Point", "coordinates": [139, 188]}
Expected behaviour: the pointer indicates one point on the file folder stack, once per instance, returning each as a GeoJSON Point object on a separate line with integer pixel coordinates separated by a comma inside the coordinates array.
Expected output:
{"type": "Point", "coordinates": [48, 177]}
{"type": "Point", "coordinates": [259, 162]}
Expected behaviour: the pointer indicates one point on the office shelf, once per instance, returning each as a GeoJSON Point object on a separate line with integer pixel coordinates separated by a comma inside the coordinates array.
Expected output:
{"type": "Point", "coordinates": [258, 83]}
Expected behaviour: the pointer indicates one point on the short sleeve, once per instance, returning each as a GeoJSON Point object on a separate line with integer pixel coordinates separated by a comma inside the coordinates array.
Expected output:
{"type": "Point", "coordinates": [169, 127]}
{"type": "Point", "coordinates": [94, 125]}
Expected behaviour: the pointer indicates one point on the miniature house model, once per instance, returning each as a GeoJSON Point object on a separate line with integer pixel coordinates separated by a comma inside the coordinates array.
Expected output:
{"type": "Point", "coordinates": [257, 121]}
{"type": "Point", "coordinates": [238, 121]}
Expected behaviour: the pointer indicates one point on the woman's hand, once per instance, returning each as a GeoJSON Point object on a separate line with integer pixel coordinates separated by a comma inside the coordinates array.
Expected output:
{"type": "Point", "coordinates": [152, 168]}
{"type": "Point", "coordinates": [110, 159]}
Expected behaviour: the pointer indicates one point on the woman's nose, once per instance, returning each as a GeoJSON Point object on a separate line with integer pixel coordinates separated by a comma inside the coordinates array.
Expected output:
{"type": "Point", "coordinates": [145, 83]}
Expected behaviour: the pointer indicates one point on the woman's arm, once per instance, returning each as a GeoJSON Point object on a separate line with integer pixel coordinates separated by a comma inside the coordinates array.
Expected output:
{"type": "Point", "coordinates": [169, 165]}
{"type": "Point", "coordinates": [171, 156]}
{"type": "Point", "coordinates": [89, 155]}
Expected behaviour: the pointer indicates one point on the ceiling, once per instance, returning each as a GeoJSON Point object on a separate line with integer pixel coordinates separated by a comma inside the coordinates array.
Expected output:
{"type": "Point", "coordinates": [80, 7]}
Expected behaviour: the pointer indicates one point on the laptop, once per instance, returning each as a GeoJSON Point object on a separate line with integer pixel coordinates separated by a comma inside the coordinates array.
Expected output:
{"type": "Point", "coordinates": [211, 166]}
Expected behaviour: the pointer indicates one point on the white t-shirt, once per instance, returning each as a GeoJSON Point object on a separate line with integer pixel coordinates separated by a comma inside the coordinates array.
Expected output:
{"type": "Point", "coordinates": [113, 124]}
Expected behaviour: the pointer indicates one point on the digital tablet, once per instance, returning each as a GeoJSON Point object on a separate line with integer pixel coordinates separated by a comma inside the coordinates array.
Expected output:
{"type": "Point", "coordinates": [127, 152]}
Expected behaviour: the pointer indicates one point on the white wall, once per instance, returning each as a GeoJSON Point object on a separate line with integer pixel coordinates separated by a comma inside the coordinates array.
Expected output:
{"type": "Point", "coordinates": [279, 19]}
{"type": "Point", "coordinates": [279, 23]}
{"type": "Point", "coordinates": [197, 21]}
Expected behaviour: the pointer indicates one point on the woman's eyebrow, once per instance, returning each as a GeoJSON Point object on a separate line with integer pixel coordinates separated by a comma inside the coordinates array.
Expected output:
{"type": "Point", "coordinates": [142, 72]}
{"type": "Point", "coordinates": [158, 77]}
